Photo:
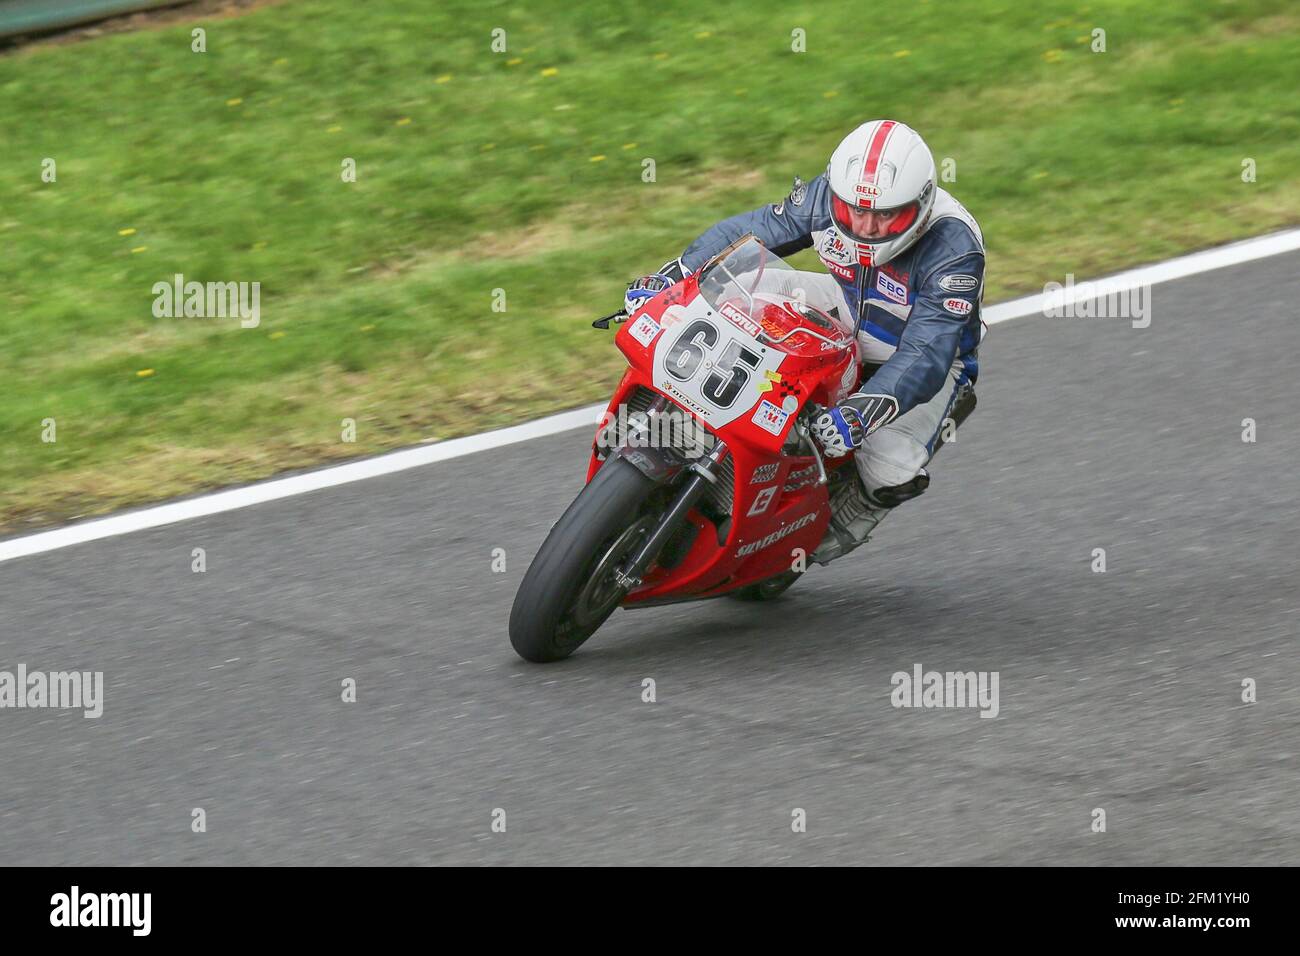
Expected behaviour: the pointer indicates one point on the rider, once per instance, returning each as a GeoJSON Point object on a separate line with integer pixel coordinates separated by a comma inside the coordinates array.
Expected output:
{"type": "Point", "coordinates": [906, 265]}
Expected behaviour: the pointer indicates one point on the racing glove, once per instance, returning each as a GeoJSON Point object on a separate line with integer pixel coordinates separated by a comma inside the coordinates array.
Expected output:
{"type": "Point", "coordinates": [646, 288]}
{"type": "Point", "coordinates": [843, 429]}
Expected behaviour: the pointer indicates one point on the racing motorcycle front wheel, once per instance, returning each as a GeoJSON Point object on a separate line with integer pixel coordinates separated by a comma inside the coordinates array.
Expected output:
{"type": "Point", "coordinates": [570, 588]}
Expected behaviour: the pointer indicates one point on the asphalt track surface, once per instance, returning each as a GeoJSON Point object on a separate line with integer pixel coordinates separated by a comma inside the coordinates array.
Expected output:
{"type": "Point", "coordinates": [1118, 690]}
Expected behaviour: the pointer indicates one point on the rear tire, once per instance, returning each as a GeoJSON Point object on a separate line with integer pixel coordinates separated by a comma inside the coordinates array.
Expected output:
{"type": "Point", "coordinates": [768, 589]}
{"type": "Point", "coordinates": [568, 590]}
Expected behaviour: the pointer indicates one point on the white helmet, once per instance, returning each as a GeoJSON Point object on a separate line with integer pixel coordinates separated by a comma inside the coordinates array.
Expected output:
{"type": "Point", "coordinates": [882, 167]}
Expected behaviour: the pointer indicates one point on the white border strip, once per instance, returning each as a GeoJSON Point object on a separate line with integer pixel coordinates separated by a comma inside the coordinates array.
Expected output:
{"type": "Point", "coordinates": [262, 492]}
{"type": "Point", "coordinates": [203, 505]}
{"type": "Point", "coordinates": [1261, 247]}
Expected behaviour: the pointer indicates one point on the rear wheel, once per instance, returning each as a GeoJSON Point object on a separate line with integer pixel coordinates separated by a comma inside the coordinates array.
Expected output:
{"type": "Point", "coordinates": [768, 589]}
{"type": "Point", "coordinates": [569, 590]}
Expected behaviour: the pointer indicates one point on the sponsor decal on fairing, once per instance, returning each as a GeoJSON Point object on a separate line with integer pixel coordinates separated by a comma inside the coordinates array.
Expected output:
{"type": "Point", "coordinates": [761, 501]}
{"type": "Point", "coordinates": [800, 478]}
{"type": "Point", "coordinates": [644, 330]}
{"type": "Point", "coordinates": [783, 532]}
{"type": "Point", "coordinates": [739, 319]}
{"type": "Point", "coordinates": [770, 418]}
{"type": "Point", "coordinates": [764, 473]}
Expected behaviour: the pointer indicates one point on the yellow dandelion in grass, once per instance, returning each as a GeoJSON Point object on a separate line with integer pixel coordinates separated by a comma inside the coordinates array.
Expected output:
{"type": "Point", "coordinates": [1176, 102]}
{"type": "Point", "coordinates": [1041, 174]}
{"type": "Point", "coordinates": [139, 249]}
{"type": "Point", "coordinates": [367, 328]}
{"type": "Point", "coordinates": [335, 129]}
{"type": "Point", "coordinates": [126, 232]}
{"type": "Point", "coordinates": [515, 62]}
{"type": "Point", "coordinates": [486, 146]}
{"type": "Point", "coordinates": [404, 121]}
{"type": "Point", "coordinates": [550, 71]}
{"type": "Point", "coordinates": [445, 78]}
{"type": "Point", "coordinates": [280, 62]}
{"type": "Point", "coordinates": [537, 149]}
{"type": "Point", "coordinates": [629, 145]}
{"type": "Point", "coordinates": [1051, 56]}
{"type": "Point", "coordinates": [661, 56]}
{"type": "Point", "coordinates": [704, 34]}
{"type": "Point", "coordinates": [259, 246]}
{"type": "Point", "coordinates": [563, 106]}
{"type": "Point", "coordinates": [144, 373]}
{"type": "Point", "coordinates": [598, 159]}
{"type": "Point", "coordinates": [1082, 39]}
{"type": "Point", "coordinates": [235, 102]}
{"type": "Point", "coordinates": [276, 335]}
{"type": "Point", "coordinates": [899, 54]}
{"type": "Point", "coordinates": [831, 94]}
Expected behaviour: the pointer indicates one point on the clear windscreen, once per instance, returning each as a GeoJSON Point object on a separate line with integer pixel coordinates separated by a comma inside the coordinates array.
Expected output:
{"type": "Point", "coordinates": [747, 269]}
{"type": "Point", "coordinates": [766, 288]}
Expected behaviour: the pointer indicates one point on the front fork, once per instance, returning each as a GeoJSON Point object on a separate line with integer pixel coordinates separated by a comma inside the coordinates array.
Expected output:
{"type": "Point", "coordinates": [702, 474]}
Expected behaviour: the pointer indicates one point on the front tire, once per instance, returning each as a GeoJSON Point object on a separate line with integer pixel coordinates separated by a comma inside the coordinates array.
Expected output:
{"type": "Point", "coordinates": [568, 590]}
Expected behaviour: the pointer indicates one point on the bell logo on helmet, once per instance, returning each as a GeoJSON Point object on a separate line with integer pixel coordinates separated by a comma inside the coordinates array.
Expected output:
{"type": "Point", "coordinates": [868, 189]}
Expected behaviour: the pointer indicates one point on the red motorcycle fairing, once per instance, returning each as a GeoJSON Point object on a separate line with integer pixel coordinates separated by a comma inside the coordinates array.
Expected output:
{"type": "Point", "coordinates": [744, 371]}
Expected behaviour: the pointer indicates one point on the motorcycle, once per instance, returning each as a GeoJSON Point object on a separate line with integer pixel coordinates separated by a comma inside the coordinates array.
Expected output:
{"type": "Point", "coordinates": [704, 479]}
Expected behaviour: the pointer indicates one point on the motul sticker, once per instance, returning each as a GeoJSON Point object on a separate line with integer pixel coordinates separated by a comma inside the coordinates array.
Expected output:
{"type": "Point", "coordinates": [844, 272]}
{"type": "Point", "coordinates": [770, 418]}
{"type": "Point", "coordinates": [739, 319]}
{"type": "Point", "coordinates": [644, 330]}
{"type": "Point", "coordinates": [890, 289]}
{"type": "Point", "coordinates": [957, 306]}
{"type": "Point", "coordinates": [959, 283]}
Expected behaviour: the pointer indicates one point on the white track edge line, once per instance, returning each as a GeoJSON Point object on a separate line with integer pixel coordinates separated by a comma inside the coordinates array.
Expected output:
{"type": "Point", "coordinates": [1260, 247]}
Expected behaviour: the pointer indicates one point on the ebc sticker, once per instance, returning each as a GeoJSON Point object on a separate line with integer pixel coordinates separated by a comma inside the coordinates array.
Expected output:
{"type": "Point", "coordinates": [894, 291]}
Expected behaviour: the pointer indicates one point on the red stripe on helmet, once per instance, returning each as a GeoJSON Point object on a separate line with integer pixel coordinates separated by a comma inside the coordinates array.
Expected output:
{"type": "Point", "coordinates": [872, 162]}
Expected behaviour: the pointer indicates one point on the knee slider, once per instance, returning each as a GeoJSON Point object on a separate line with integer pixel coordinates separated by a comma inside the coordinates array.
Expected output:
{"type": "Point", "coordinates": [895, 495]}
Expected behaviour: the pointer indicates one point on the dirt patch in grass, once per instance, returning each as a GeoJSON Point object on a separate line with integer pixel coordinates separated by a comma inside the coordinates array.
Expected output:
{"type": "Point", "coordinates": [184, 11]}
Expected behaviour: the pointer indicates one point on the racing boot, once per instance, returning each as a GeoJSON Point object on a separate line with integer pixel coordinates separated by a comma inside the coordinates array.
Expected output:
{"type": "Point", "coordinates": [855, 512]}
